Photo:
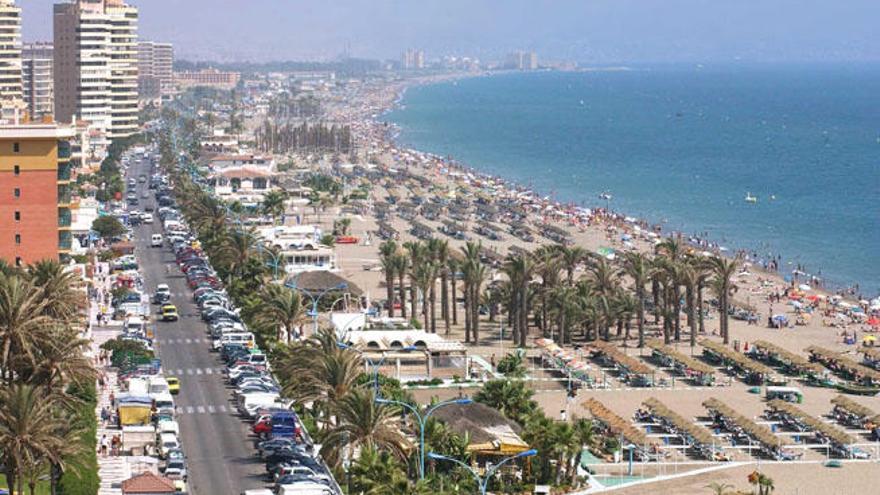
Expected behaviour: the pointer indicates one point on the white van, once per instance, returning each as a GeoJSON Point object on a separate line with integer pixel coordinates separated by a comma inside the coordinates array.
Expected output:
{"type": "Point", "coordinates": [134, 325]}
{"type": "Point", "coordinates": [248, 404]}
{"type": "Point", "coordinates": [164, 403]}
{"type": "Point", "coordinates": [156, 240]}
{"type": "Point", "coordinates": [244, 338]}
{"type": "Point", "coordinates": [159, 387]}
{"type": "Point", "coordinates": [167, 443]}
{"type": "Point", "coordinates": [304, 488]}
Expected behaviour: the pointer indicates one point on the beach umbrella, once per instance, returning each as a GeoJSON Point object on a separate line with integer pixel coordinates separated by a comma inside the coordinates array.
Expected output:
{"type": "Point", "coordinates": [804, 287]}
{"type": "Point", "coordinates": [874, 321]}
{"type": "Point", "coordinates": [796, 304]}
{"type": "Point", "coordinates": [869, 338]}
{"type": "Point", "coordinates": [780, 318]}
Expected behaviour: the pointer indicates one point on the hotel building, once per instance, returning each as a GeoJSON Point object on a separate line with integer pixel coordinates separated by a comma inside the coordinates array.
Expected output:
{"type": "Point", "coordinates": [96, 66]}
{"type": "Point", "coordinates": [35, 192]}
{"type": "Point", "coordinates": [155, 70]}
{"type": "Point", "coordinates": [39, 84]}
{"type": "Point", "coordinates": [10, 59]}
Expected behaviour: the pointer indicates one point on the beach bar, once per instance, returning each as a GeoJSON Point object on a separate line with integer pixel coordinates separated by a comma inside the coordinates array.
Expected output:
{"type": "Point", "coordinates": [681, 364]}
{"type": "Point", "coordinates": [750, 371]}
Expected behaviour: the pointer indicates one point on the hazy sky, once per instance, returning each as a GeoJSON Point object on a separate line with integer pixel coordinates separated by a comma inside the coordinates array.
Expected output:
{"type": "Point", "coordinates": [598, 31]}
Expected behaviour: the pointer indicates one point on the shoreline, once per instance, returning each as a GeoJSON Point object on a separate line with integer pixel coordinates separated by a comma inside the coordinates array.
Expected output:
{"type": "Point", "coordinates": [393, 99]}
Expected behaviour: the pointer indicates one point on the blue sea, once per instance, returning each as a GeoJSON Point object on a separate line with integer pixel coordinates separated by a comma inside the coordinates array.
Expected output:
{"type": "Point", "coordinates": [684, 146]}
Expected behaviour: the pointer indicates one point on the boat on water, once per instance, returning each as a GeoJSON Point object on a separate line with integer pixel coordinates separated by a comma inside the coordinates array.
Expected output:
{"type": "Point", "coordinates": [606, 196]}
{"type": "Point", "coordinates": [750, 198]}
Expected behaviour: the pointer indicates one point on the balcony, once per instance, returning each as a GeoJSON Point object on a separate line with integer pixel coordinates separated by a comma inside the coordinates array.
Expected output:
{"type": "Point", "coordinates": [64, 194]}
{"type": "Point", "coordinates": [65, 172]}
{"type": "Point", "coordinates": [63, 150]}
{"type": "Point", "coordinates": [65, 241]}
{"type": "Point", "coordinates": [65, 219]}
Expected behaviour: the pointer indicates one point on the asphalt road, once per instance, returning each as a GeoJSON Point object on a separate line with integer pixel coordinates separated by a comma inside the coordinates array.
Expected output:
{"type": "Point", "coordinates": [217, 442]}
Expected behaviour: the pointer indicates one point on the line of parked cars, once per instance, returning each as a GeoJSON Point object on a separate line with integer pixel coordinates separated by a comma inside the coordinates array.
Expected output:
{"type": "Point", "coordinates": [292, 463]}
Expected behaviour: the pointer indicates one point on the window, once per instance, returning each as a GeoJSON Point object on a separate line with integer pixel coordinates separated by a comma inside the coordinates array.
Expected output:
{"type": "Point", "coordinates": [18, 216]}
{"type": "Point", "coordinates": [16, 147]}
{"type": "Point", "coordinates": [16, 170]}
{"type": "Point", "coordinates": [18, 261]}
{"type": "Point", "coordinates": [18, 238]}
{"type": "Point", "coordinates": [17, 192]}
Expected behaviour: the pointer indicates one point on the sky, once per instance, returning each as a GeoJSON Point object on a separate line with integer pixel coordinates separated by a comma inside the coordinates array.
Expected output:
{"type": "Point", "coordinates": [585, 31]}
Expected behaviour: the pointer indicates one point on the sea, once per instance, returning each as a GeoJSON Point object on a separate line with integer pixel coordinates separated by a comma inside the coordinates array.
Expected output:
{"type": "Point", "coordinates": [684, 146]}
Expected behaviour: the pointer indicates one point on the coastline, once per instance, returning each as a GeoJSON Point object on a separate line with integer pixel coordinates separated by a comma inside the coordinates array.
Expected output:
{"type": "Point", "coordinates": [392, 133]}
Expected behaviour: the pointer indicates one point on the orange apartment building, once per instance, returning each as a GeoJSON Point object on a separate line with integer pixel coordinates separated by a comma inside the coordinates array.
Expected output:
{"type": "Point", "coordinates": [35, 192]}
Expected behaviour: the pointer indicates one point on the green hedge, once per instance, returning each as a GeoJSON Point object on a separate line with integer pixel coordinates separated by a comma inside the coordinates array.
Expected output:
{"type": "Point", "coordinates": [81, 477]}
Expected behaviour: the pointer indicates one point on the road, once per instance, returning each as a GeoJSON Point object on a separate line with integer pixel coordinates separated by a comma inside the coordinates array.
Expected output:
{"type": "Point", "coordinates": [218, 444]}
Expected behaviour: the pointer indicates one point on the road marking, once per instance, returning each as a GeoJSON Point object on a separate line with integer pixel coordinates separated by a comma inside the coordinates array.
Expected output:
{"type": "Point", "coordinates": [189, 371]}
{"type": "Point", "coordinates": [201, 409]}
{"type": "Point", "coordinates": [222, 408]}
{"type": "Point", "coordinates": [179, 371]}
{"type": "Point", "coordinates": [188, 341]}
{"type": "Point", "coordinates": [208, 371]}
{"type": "Point", "coordinates": [210, 409]}
{"type": "Point", "coordinates": [189, 409]}
{"type": "Point", "coordinates": [198, 371]}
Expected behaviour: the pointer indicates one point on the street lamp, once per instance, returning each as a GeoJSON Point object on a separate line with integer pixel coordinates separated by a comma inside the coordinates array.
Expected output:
{"type": "Point", "coordinates": [315, 298]}
{"type": "Point", "coordinates": [374, 365]}
{"type": "Point", "coordinates": [483, 482]}
{"type": "Point", "coordinates": [423, 419]}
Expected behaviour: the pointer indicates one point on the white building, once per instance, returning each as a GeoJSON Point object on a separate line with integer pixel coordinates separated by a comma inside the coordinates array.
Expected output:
{"type": "Point", "coordinates": [155, 70]}
{"type": "Point", "coordinates": [300, 248]}
{"type": "Point", "coordinates": [38, 82]}
{"type": "Point", "coordinates": [10, 59]}
{"type": "Point", "coordinates": [95, 64]}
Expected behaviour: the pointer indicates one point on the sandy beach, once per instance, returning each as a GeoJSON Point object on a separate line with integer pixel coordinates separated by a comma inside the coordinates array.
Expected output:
{"type": "Point", "coordinates": [598, 231]}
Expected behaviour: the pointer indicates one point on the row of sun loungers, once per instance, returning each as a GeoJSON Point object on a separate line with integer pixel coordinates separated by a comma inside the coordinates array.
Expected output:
{"type": "Point", "coordinates": [840, 442]}
{"type": "Point", "coordinates": [745, 430]}
{"type": "Point", "coordinates": [854, 415]}
{"type": "Point", "coordinates": [630, 369]}
{"type": "Point", "coordinates": [845, 366]}
{"type": "Point", "coordinates": [645, 448]}
{"type": "Point", "coordinates": [751, 371]}
{"type": "Point", "coordinates": [692, 434]}
{"type": "Point", "coordinates": [681, 364]}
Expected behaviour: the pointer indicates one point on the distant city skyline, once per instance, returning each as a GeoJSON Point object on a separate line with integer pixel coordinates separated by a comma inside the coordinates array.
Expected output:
{"type": "Point", "coordinates": [601, 31]}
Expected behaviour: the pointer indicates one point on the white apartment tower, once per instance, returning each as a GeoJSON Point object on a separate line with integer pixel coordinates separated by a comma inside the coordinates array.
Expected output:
{"type": "Point", "coordinates": [10, 58]}
{"type": "Point", "coordinates": [155, 69]}
{"type": "Point", "coordinates": [96, 70]}
{"type": "Point", "coordinates": [37, 79]}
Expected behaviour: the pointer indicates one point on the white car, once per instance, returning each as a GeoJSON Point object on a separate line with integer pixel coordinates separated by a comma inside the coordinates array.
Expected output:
{"type": "Point", "coordinates": [156, 240]}
{"type": "Point", "coordinates": [167, 442]}
{"type": "Point", "coordinates": [147, 218]}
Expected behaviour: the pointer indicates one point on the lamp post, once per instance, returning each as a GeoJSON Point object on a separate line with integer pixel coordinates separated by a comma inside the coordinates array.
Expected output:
{"type": "Point", "coordinates": [315, 297]}
{"type": "Point", "coordinates": [483, 482]}
{"type": "Point", "coordinates": [374, 365]}
{"type": "Point", "coordinates": [423, 419]}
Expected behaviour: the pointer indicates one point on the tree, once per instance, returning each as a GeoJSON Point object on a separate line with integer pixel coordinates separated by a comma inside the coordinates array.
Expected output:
{"type": "Point", "coordinates": [719, 488]}
{"type": "Point", "coordinates": [23, 323]}
{"type": "Point", "coordinates": [363, 423]}
{"type": "Point", "coordinates": [60, 288]}
{"type": "Point", "coordinates": [401, 266]}
{"type": "Point", "coordinates": [605, 284]}
{"type": "Point", "coordinates": [282, 309]}
{"type": "Point", "coordinates": [510, 397]}
{"type": "Point", "coordinates": [273, 204]}
{"type": "Point", "coordinates": [512, 365]}
{"type": "Point", "coordinates": [723, 271]}
{"type": "Point", "coordinates": [637, 266]}
{"type": "Point", "coordinates": [387, 251]}
{"type": "Point", "coordinates": [108, 227]}
{"type": "Point", "coordinates": [28, 423]}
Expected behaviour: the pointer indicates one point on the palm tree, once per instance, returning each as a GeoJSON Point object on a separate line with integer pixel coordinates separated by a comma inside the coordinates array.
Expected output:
{"type": "Point", "coordinates": [239, 247]}
{"type": "Point", "coordinates": [387, 251]}
{"type": "Point", "coordinates": [423, 276]}
{"type": "Point", "coordinates": [637, 266]}
{"type": "Point", "coordinates": [374, 472]}
{"type": "Point", "coordinates": [61, 360]}
{"type": "Point", "coordinates": [625, 306]}
{"type": "Point", "coordinates": [519, 270]}
{"type": "Point", "coordinates": [719, 488]}
{"type": "Point", "coordinates": [23, 322]}
{"type": "Point", "coordinates": [512, 398]}
{"type": "Point", "coordinates": [59, 287]}
{"type": "Point", "coordinates": [28, 424]}
{"type": "Point", "coordinates": [689, 278]}
{"type": "Point", "coordinates": [401, 266]}
{"type": "Point", "coordinates": [565, 303]}
{"type": "Point", "coordinates": [453, 265]}
{"type": "Point", "coordinates": [273, 204]}
{"type": "Point", "coordinates": [548, 263]}
{"type": "Point", "coordinates": [572, 257]}
{"type": "Point", "coordinates": [673, 250]}
{"type": "Point", "coordinates": [723, 271]}
{"type": "Point", "coordinates": [606, 281]}
{"type": "Point", "coordinates": [282, 309]}
{"type": "Point", "coordinates": [417, 254]}
{"type": "Point", "coordinates": [439, 249]}
{"type": "Point", "coordinates": [363, 423]}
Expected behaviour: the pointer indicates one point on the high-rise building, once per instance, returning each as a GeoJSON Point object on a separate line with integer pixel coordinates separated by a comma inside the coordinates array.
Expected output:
{"type": "Point", "coordinates": [412, 59]}
{"type": "Point", "coordinates": [96, 67]}
{"type": "Point", "coordinates": [38, 82]}
{"type": "Point", "coordinates": [35, 192]}
{"type": "Point", "coordinates": [522, 61]}
{"type": "Point", "coordinates": [155, 69]}
{"type": "Point", "coordinates": [10, 58]}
